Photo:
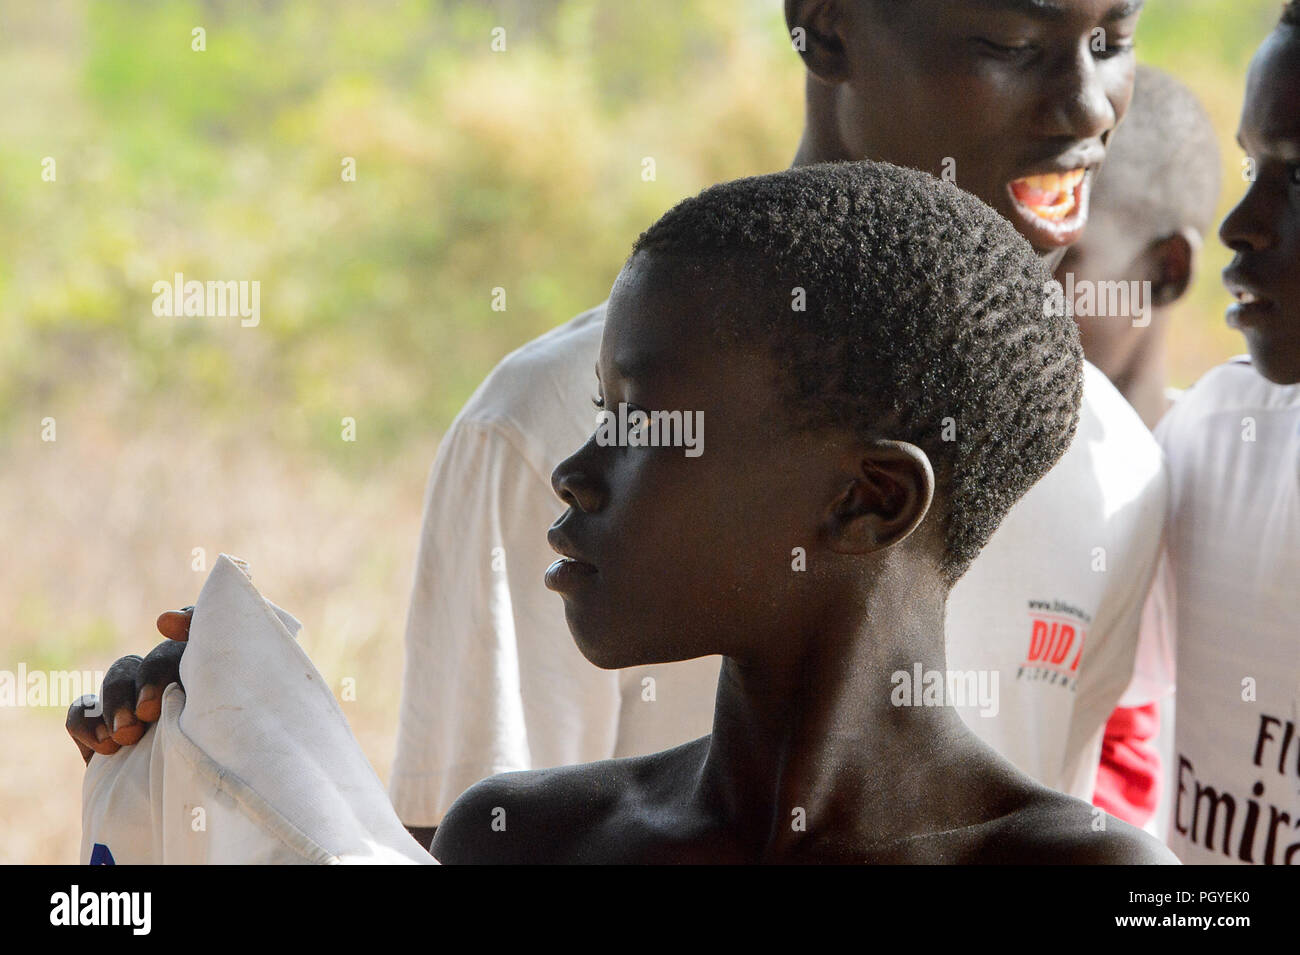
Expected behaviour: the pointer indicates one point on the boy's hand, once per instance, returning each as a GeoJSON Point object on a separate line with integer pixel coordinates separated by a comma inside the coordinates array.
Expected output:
{"type": "Point", "coordinates": [132, 692]}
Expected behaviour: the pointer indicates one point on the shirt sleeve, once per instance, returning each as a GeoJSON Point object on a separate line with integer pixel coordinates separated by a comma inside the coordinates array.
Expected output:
{"type": "Point", "coordinates": [493, 681]}
{"type": "Point", "coordinates": [1110, 658]}
{"type": "Point", "coordinates": [1153, 670]}
{"type": "Point", "coordinates": [1128, 778]}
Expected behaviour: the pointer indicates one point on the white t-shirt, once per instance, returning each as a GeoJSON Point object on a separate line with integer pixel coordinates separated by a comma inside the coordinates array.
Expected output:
{"type": "Point", "coordinates": [493, 681]}
{"type": "Point", "coordinates": [1233, 538]}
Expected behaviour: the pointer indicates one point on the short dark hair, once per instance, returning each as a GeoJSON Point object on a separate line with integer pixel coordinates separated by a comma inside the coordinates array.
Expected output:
{"type": "Point", "coordinates": [924, 314]}
{"type": "Point", "coordinates": [1291, 13]}
{"type": "Point", "coordinates": [1162, 170]}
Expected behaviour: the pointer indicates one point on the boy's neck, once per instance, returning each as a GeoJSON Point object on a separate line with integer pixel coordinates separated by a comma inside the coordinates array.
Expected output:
{"type": "Point", "coordinates": [819, 142]}
{"type": "Point", "coordinates": [815, 745]}
{"type": "Point", "coordinates": [1143, 378]}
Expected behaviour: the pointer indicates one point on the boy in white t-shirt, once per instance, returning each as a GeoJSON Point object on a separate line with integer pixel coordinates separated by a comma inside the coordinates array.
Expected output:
{"type": "Point", "coordinates": [1233, 446]}
{"type": "Point", "coordinates": [1154, 202]}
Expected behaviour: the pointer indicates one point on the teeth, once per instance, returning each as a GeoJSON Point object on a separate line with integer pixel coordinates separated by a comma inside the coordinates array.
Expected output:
{"type": "Point", "coordinates": [1054, 193]}
{"type": "Point", "coordinates": [1053, 181]}
{"type": "Point", "coordinates": [1055, 212]}
{"type": "Point", "coordinates": [1246, 298]}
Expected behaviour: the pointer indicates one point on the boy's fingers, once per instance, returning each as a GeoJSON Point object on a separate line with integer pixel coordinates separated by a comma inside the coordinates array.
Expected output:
{"type": "Point", "coordinates": [119, 693]}
{"type": "Point", "coordinates": [159, 670]}
{"type": "Point", "coordinates": [85, 724]}
{"type": "Point", "coordinates": [175, 624]}
{"type": "Point", "coordinates": [131, 696]}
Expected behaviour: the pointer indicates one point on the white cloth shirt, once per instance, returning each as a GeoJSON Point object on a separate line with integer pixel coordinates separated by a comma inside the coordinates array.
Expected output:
{"type": "Point", "coordinates": [493, 681]}
{"type": "Point", "coordinates": [253, 762]}
{"type": "Point", "coordinates": [1233, 540]}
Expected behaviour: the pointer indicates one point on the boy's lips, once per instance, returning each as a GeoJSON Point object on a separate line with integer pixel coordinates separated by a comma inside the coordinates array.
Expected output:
{"type": "Point", "coordinates": [1251, 303]}
{"type": "Point", "coordinates": [1051, 208]}
{"type": "Point", "coordinates": [570, 569]}
{"type": "Point", "coordinates": [566, 573]}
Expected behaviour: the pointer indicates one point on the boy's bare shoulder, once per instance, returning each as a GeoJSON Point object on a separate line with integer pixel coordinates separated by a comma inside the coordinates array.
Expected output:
{"type": "Point", "coordinates": [570, 814]}
{"type": "Point", "coordinates": [529, 816]}
{"type": "Point", "coordinates": [1055, 829]}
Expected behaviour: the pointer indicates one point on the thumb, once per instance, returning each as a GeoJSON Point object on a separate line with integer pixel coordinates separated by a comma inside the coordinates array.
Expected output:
{"type": "Point", "coordinates": [175, 624]}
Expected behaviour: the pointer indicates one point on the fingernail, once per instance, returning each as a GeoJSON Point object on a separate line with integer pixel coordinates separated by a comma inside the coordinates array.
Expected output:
{"type": "Point", "coordinates": [127, 730]}
{"type": "Point", "coordinates": [148, 708]}
{"type": "Point", "coordinates": [123, 719]}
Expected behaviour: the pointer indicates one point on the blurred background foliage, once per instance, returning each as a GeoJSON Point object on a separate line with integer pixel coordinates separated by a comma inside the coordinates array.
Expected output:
{"type": "Point", "coordinates": [475, 169]}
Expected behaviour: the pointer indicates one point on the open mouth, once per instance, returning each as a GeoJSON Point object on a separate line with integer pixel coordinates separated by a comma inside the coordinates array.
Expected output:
{"type": "Point", "coordinates": [1053, 197]}
{"type": "Point", "coordinates": [1248, 307]}
{"type": "Point", "coordinates": [1051, 209]}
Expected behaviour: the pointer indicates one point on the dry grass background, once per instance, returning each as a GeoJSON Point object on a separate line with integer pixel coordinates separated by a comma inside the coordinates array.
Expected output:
{"type": "Point", "coordinates": [475, 170]}
{"type": "Point", "coordinates": [100, 528]}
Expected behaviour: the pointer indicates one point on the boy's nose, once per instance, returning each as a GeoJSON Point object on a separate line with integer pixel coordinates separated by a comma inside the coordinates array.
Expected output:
{"type": "Point", "coordinates": [1080, 107]}
{"type": "Point", "coordinates": [1247, 228]}
{"type": "Point", "coordinates": [575, 482]}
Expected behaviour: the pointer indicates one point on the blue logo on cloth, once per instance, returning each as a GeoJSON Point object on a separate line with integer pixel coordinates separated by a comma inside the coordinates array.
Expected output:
{"type": "Point", "coordinates": [100, 855]}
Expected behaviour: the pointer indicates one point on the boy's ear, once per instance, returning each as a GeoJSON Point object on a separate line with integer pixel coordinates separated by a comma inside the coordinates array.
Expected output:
{"type": "Point", "coordinates": [1171, 263]}
{"type": "Point", "coordinates": [885, 501]}
{"type": "Point", "coordinates": [815, 30]}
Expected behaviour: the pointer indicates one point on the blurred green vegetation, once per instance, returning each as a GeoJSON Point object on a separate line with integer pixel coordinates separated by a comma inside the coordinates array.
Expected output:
{"type": "Point", "coordinates": [475, 169]}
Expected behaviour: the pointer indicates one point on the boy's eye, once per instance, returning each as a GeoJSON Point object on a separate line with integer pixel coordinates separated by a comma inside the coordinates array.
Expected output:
{"type": "Point", "coordinates": [1011, 53]}
{"type": "Point", "coordinates": [1105, 45]}
{"type": "Point", "coordinates": [1110, 50]}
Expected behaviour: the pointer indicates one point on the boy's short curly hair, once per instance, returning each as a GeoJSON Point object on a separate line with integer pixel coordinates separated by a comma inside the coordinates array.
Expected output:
{"type": "Point", "coordinates": [1291, 13]}
{"type": "Point", "coordinates": [924, 321]}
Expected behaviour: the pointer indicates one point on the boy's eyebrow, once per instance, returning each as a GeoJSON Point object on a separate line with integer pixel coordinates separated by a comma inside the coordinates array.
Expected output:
{"type": "Point", "coordinates": [627, 371]}
{"type": "Point", "coordinates": [1053, 10]}
{"type": "Point", "coordinates": [1122, 11]}
{"type": "Point", "coordinates": [634, 367]}
{"type": "Point", "coordinates": [1043, 9]}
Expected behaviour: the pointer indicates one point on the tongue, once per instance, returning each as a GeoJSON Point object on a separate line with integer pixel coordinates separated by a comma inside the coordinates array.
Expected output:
{"type": "Point", "coordinates": [1035, 197]}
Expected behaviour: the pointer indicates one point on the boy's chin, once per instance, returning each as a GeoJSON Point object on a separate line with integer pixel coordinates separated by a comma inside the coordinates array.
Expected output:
{"type": "Point", "coordinates": [605, 657]}
{"type": "Point", "coordinates": [1279, 362]}
{"type": "Point", "coordinates": [615, 647]}
{"type": "Point", "coordinates": [602, 645]}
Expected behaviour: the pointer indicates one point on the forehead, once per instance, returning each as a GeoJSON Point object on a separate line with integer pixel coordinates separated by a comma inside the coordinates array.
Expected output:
{"type": "Point", "coordinates": [1272, 111]}
{"type": "Point", "coordinates": [661, 315]}
{"type": "Point", "coordinates": [1057, 11]}
{"type": "Point", "coordinates": [670, 338]}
